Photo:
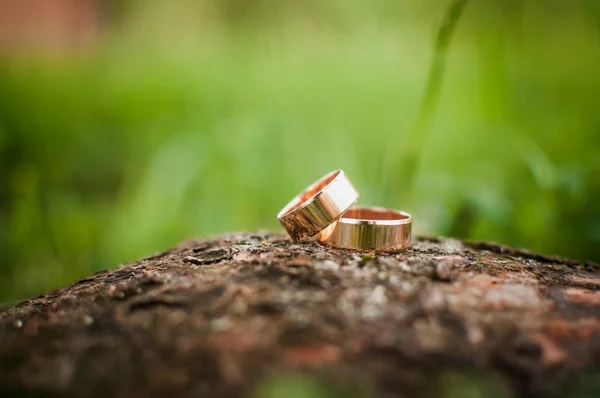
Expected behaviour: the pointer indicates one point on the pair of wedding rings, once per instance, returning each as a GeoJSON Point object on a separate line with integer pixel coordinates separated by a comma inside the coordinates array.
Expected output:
{"type": "Point", "coordinates": [325, 209]}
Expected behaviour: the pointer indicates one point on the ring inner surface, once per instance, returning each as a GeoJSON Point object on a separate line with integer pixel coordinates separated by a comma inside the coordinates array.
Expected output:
{"type": "Point", "coordinates": [309, 193]}
{"type": "Point", "coordinates": [374, 214]}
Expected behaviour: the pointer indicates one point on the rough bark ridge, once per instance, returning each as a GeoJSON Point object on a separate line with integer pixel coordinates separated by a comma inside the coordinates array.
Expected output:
{"type": "Point", "coordinates": [256, 315]}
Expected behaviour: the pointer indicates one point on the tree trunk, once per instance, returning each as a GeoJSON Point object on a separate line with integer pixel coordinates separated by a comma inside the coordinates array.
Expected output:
{"type": "Point", "coordinates": [256, 315]}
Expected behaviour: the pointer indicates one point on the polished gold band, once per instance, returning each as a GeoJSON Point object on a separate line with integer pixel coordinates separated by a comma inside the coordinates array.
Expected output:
{"type": "Point", "coordinates": [318, 206]}
{"type": "Point", "coordinates": [369, 228]}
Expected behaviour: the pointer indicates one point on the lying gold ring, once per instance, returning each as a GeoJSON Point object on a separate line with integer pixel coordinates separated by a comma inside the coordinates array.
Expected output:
{"type": "Point", "coordinates": [369, 228]}
{"type": "Point", "coordinates": [318, 206]}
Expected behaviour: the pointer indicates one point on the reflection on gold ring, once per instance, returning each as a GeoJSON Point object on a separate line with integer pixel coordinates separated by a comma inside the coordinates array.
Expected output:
{"type": "Point", "coordinates": [318, 206]}
{"type": "Point", "coordinates": [369, 228]}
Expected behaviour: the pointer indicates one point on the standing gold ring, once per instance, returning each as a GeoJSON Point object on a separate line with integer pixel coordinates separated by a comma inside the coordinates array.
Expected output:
{"type": "Point", "coordinates": [318, 206]}
{"type": "Point", "coordinates": [369, 228]}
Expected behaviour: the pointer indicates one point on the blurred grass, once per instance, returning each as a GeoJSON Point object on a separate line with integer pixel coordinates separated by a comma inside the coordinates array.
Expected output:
{"type": "Point", "coordinates": [300, 385]}
{"type": "Point", "coordinates": [201, 117]}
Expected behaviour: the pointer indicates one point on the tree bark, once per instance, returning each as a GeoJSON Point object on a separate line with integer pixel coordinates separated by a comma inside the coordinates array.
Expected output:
{"type": "Point", "coordinates": [257, 315]}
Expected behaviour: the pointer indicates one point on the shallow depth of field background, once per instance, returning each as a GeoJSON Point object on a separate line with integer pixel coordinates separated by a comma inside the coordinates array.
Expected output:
{"type": "Point", "coordinates": [127, 126]}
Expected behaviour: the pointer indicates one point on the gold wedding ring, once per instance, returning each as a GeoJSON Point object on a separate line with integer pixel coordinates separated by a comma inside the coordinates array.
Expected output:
{"type": "Point", "coordinates": [320, 205]}
{"type": "Point", "coordinates": [369, 228]}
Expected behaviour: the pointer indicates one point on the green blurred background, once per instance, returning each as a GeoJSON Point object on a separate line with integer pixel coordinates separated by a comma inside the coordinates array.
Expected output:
{"type": "Point", "coordinates": [137, 124]}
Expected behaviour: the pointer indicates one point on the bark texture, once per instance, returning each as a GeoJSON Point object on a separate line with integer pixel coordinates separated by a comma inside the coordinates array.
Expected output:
{"type": "Point", "coordinates": [257, 315]}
